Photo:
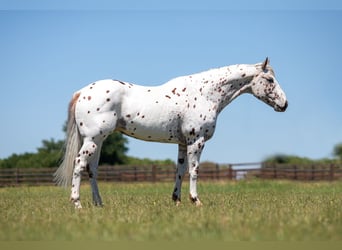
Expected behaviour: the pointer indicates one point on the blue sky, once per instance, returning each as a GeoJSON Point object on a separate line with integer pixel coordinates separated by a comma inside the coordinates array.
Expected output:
{"type": "Point", "coordinates": [46, 55]}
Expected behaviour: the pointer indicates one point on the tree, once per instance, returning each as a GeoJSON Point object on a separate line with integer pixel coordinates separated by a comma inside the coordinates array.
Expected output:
{"type": "Point", "coordinates": [114, 149]}
{"type": "Point", "coordinates": [48, 155]}
{"type": "Point", "coordinates": [338, 151]}
{"type": "Point", "coordinates": [287, 159]}
{"type": "Point", "coordinates": [51, 146]}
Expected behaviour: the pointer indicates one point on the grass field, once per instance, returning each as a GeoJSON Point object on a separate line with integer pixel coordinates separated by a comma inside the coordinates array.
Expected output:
{"type": "Point", "coordinates": [245, 210]}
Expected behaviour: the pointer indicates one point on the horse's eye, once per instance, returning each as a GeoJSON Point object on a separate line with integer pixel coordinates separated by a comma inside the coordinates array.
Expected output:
{"type": "Point", "coordinates": [270, 80]}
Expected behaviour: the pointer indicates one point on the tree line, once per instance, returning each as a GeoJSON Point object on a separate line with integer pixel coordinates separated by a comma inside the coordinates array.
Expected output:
{"type": "Point", "coordinates": [50, 153]}
{"type": "Point", "coordinates": [293, 159]}
{"type": "Point", "coordinates": [114, 152]}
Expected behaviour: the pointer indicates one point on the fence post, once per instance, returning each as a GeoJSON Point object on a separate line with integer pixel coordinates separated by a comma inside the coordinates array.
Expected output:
{"type": "Point", "coordinates": [154, 173]}
{"type": "Point", "coordinates": [217, 171]}
{"type": "Point", "coordinates": [17, 176]}
{"type": "Point", "coordinates": [230, 172]}
{"type": "Point", "coordinates": [331, 172]}
{"type": "Point", "coordinates": [135, 174]}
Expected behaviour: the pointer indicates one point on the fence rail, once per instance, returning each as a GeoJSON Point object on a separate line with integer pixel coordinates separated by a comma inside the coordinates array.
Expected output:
{"type": "Point", "coordinates": [313, 172]}
{"type": "Point", "coordinates": [44, 176]}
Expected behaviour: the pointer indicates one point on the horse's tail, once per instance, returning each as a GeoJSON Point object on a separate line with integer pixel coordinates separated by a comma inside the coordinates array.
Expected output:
{"type": "Point", "coordinates": [63, 175]}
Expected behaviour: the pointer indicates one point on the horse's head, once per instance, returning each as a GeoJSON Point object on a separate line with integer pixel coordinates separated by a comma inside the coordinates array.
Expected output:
{"type": "Point", "coordinates": [265, 87]}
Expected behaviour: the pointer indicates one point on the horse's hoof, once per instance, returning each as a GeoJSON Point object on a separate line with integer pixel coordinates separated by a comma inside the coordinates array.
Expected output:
{"type": "Point", "coordinates": [77, 203]}
{"type": "Point", "coordinates": [198, 203]}
{"type": "Point", "coordinates": [195, 201]}
{"type": "Point", "coordinates": [98, 204]}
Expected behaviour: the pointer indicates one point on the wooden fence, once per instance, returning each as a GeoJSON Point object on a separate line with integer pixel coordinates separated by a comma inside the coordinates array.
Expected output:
{"type": "Point", "coordinates": [313, 172]}
{"type": "Point", "coordinates": [44, 176]}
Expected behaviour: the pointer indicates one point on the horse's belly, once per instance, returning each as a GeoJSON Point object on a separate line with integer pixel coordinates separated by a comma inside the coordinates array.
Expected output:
{"type": "Point", "coordinates": [157, 132]}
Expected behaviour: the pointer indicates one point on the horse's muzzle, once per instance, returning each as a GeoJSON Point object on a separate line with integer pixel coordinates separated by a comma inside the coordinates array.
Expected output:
{"type": "Point", "coordinates": [281, 109]}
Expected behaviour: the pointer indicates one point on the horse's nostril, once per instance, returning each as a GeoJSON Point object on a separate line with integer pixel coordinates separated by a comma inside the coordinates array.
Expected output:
{"type": "Point", "coordinates": [285, 106]}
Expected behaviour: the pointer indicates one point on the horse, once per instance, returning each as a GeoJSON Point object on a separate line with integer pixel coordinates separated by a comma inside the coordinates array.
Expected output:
{"type": "Point", "coordinates": [183, 111]}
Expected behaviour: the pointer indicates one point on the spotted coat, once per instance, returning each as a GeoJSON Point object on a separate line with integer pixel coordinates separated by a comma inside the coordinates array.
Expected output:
{"type": "Point", "coordinates": [182, 111]}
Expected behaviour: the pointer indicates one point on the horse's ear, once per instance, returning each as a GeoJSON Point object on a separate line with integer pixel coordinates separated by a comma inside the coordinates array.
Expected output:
{"type": "Point", "coordinates": [264, 65]}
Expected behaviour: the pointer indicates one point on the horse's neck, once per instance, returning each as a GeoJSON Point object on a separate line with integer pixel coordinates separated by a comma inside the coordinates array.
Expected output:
{"type": "Point", "coordinates": [223, 85]}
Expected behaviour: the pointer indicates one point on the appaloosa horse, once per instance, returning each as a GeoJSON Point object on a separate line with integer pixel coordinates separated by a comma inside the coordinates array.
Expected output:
{"type": "Point", "coordinates": [182, 111]}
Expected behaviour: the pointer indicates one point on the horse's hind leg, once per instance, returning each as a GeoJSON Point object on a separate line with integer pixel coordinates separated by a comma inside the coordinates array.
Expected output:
{"type": "Point", "coordinates": [82, 160]}
{"type": "Point", "coordinates": [92, 171]}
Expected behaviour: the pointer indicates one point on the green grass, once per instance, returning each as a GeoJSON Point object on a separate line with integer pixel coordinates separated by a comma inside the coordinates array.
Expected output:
{"type": "Point", "coordinates": [245, 210]}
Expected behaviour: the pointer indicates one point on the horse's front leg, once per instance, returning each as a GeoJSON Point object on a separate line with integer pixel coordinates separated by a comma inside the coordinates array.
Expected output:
{"type": "Point", "coordinates": [194, 153]}
{"type": "Point", "coordinates": [181, 168]}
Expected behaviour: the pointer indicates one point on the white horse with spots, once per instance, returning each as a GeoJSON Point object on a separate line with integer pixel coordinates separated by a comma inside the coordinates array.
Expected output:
{"type": "Point", "coordinates": [182, 111]}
